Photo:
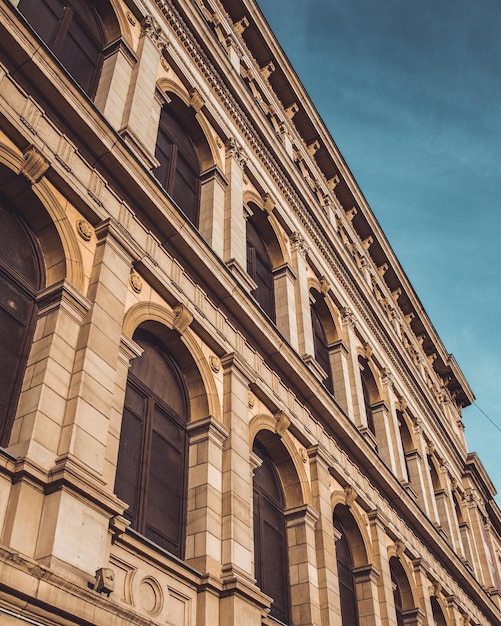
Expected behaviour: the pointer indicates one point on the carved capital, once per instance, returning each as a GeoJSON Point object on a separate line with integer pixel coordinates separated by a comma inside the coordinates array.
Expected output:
{"type": "Point", "coordinates": [267, 70]}
{"type": "Point", "coordinates": [291, 110]}
{"type": "Point", "coordinates": [282, 424]}
{"type": "Point", "coordinates": [299, 244]}
{"type": "Point", "coordinates": [182, 318]}
{"type": "Point", "coordinates": [241, 25]}
{"type": "Point", "coordinates": [347, 317]}
{"type": "Point", "coordinates": [235, 150]}
{"type": "Point", "coordinates": [34, 166]}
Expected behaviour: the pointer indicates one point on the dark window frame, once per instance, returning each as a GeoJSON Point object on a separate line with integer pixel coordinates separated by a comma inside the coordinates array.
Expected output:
{"type": "Point", "coordinates": [321, 347]}
{"type": "Point", "coordinates": [268, 506]}
{"type": "Point", "coordinates": [178, 159]}
{"type": "Point", "coordinates": [346, 579]}
{"type": "Point", "coordinates": [77, 31]}
{"type": "Point", "coordinates": [260, 269]}
{"type": "Point", "coordinates": [27, 289]}
{"type": "Point", "coordinates": [138, 513]}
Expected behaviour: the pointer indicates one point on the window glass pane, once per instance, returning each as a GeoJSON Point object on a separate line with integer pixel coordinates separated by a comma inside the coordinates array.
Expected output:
{"type": "Point", "coordinates": [17, 252]}
{"type": "Point", "coordinates": [42, 16]}
{"type": "Point", "coordinates": [130, 454]}
{"type": "Point", "coordinates": [165, 490]}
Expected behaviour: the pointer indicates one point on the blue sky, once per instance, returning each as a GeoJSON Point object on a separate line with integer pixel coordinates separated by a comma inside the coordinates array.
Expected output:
{"type": "Point", "coordinates": [411, 94]}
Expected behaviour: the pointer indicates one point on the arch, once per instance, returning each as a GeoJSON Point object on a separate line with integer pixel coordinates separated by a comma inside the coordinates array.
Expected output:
{"type": "Point", "coordinates": [290, 466]}
{"type": "Point", "coordinates": [41, 209]}
{"type": "Point", "coordinates": [438, 612]}
{"type": "Point", "coordinates": [401, 576]}
{"type": "Point", "coordinates": [255, 206]}
{"type": "Point", "coordinates": [201, 387]}
{"type": "Point", "coordinates": [370, 391]}
{"type": "Point", "coordinates": [357, 530]}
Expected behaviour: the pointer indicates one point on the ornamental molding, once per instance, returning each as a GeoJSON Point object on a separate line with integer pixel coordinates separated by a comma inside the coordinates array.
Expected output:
{"type": "Point", "coordinates": [34, 165]}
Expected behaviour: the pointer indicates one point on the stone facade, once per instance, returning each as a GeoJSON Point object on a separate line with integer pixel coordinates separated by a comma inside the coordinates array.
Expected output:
{"type": "Point", "coordinates": [312, 360]}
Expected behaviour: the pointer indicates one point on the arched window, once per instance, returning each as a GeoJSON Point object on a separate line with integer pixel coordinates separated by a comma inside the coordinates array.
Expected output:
{"type": "Point", "coordinates": [397, 595]}
{"type": "Point", "coordinates": [438, 614]}
{"type": "Point", "coordinates": [259, 268]}
{"type": "Point", "coordinates": [152, 459]}
{"type": "Point", "coordinates": [20, 279]}
{"type": "Point", "coordinates": [347, 589]}
{"type": "Point", "coordinates": [270, 538]}
{"type": "Point", "coordinates": [74, 32]}
{"type": "Point", "coordinates": [179, 168]}
{"type": "Point", "coordinates": [321, 344]}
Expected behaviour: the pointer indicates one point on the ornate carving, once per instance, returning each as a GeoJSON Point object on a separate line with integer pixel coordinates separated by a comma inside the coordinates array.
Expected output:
{"type": "Point", "coordinates": [34, 166]}
{"type": "Point", "coordinates": [350, 495]}
{"type": "Point", "coordinates": [291, 110]}
{"type": "Point", "coordinates": [196, 100]}
{"type": "Point", "coordinates": [313, 147]}
{"type": "Point", "coordinates": [84, 229]}
{"type": "Point", "coordinates": [324, 285]}
{"type": "Point", "coordinates": [235, 150]}
{"type": "Point", "coordinates": [304, 455]}
{"type": "Point", "coordinates": [251, 400]}
{"type": "Point", "coordinates": [182, 318]}
{"type": "Point", "coordinates": [131, 19]}
{"type": "Point", "coordinates": [241, 25]}
{"type": "Point", "coordinates": [135, 281]}
{"type": "Point", "coordinates": [299, 244]}
{"type": "Point", "coordinates": [347, 316]}
{"type": "Point", "coordinates": [215, 363]}
{"type": "Point", "coordinates": [267, 70]}
{"type": "Point", "coordinates": [282, 424]}
{"type": "Point", "coordinates": [152, 29]}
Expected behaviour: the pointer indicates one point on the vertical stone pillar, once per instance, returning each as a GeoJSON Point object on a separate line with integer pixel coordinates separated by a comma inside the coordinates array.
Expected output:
{"type": "Point", "coordinates": [366, 580]}
{"type": "Point", "coordinates": [235, 235]}
{"type": "Point", "coordinates": [140, 120]}
{"type": "Point", "coordinates": [241, 602]}
{"type": "Point", "coordinates": [40, 415]}
{"type": "Point", "coordinates": [303, 566]}
{"type": "Point", "coordinates": [324, 536]}
{"type": "Point", "coordinates": [114, 81]}
{"type": "Point", "coordinates": [204, 510]}
{"type": "Point", "coordinates": [73, 530]}
{"type": "Point", "coordinates": [485, 568]}
{"type": "Point", "coordinates": [378, 524]}
{"type": "Point", "coordinates": [382, 426]}
{"type": "Point", "coordinates": [394, 441]}
{"type": "Point", "coordinates": [299, 250]}
{"type": "Point", "coordinates": [284, 286]}
{"type": "Point", "coordinates": [85, 429]}
{"type": "Point", "coordinates": [421, 567]}
{"type": "Point", "coordinates": [355, 385]}
{"type": "Point", "coordinates": [212, 208]}
{"type": "Point", "coordinates": [339, 359]}
{"type": "Point", "coordinates": [414, 464]}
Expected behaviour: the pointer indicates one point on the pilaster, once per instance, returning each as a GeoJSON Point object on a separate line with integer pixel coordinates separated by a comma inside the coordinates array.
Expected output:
{"type": "Point", "coordinates": [299, 251]}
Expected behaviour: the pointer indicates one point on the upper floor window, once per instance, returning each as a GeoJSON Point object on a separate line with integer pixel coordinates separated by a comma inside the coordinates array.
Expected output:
{"type": "Point", "coordinates": [152, 459]}
{"type": "Point", "coordinates": [270, 538]}
{"type": "Point", "coordinates": [319, 318]}
{"type": "Point", "coordinates": [347, 587]}
{"type": "Point", "coordinates": [259, 268]}
{"type": "Point", "coordinates": [179, 167]}
{"type": "Point", "coordinates": [20, 279]}
{"type": "Point", "coordinates": [74, 32]}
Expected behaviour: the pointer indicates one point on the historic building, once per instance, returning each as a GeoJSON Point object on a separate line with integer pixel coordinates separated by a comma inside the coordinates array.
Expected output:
{"type": "Point", "coordinates": [221, 401]}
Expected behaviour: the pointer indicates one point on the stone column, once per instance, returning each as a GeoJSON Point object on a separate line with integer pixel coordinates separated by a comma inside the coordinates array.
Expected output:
{"type": "Point", "coordinates": [382, 426]}
{"type": "Point", "coordinates": [235, 231]}
{"type": "Point", "coordinates": [378, 524]}
{"type": "Point", "coordinates": [421, 567]}
{"type": "Point", "coordinates": [414, 464]}
{"type": "Point", "coordinates": [204, 510]}
{"type": "Point", "coordinates": [80, 543]}
{"type": "Point", "coordinates": [299, 251]}
{"type": "Point", "coordinates": [324, 536]}
{"type": "Point", "coordinates": [354, 384]}
{"type": "Point", "coordinates": [303, 566]}
{"type": "Point", "coordinates": [366, 580]}
{"type": "Point", "coordinates": [213, 189]}
{"type": "Point", "coordinates": [142, 112]}
{"type": "Point", "coordinates": [241, 601]}
{"type": "Point", "coordinates": [394, 441]}
{"type": "Point", "coordinates": [40, 415]}
{"type": "Point", "coordinates": [114, 82]}
{"type": "Point", "coordinates": [339, 359]}
{"type": "Point", "coordinates": [284, 286]}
